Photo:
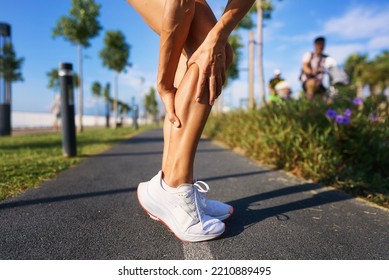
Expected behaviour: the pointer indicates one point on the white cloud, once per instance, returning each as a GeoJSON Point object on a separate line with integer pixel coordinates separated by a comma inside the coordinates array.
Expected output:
{"type": "Point", "coordinates": [299, 38]}
{"type": "Point", "coordinates": [282, 48]}
{"type": "Point", "coordinates": [341, 51]}
{"type": "Point", "coordinates": [92, 102]}
{"type": "Point", "coordinates": [269, 66]}
{"type": "Point", "coordinates": [271, 30]}
{"type": "Point", "coordinates": [137, 80]}
{"type": "Point", "coordinates": [379, 42]}
{"type": "Point", "coordinates": [359, 23]}
{"type": "Point", "coordinates": [277, 24]}
{"type": "Point", "coordinates": [236, 91]}
{"type": "Point", "coordinates": [136, 83]}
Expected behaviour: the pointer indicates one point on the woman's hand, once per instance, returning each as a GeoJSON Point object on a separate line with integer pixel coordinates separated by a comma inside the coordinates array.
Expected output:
{"type": "Point", "coordinates": [211, 60]}
{"type": "Point", "coordinates": [176, 19]}
{"type": "Point", "coordinates": [167, 95]}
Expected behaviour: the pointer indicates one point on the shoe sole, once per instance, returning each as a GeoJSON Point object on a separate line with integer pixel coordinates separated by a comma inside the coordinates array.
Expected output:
{"type": "Point", "coordinates": [221, 218]}
{"type": "Point", "coordinates": [142, 193]}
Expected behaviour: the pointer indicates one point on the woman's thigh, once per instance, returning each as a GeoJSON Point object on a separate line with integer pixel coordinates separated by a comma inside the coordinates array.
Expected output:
{"type": "Point", "coordinates": [151, 11]}
{"type": "Point", "coordinates": [203, 21]}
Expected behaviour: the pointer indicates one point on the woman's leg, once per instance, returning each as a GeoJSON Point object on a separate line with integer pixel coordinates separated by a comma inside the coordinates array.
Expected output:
{"type": "Point", "coordinates": [183, 209]}
{"type": "Point", "coordinates": [180, 144]}
{"type": "Point", "coordinates": [180, 73]}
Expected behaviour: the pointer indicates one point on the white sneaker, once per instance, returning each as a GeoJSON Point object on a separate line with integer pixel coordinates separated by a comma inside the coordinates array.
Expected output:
{"type": "Point", "coordinates": [179, 210]}
{"type": "Point", "coordinates": [213, 208]}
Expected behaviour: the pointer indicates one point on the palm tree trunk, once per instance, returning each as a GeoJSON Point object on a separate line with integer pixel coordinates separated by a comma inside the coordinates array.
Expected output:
{"type": "Point", "coordinates": [80, 93]}
{"type": "Point", "coordinates": [251, 70]}
{"type": "Point", "coordinates": [2, 84]}
{"type": "Point", "coordinates": [7, 92]}
{"type": "Point", "coordinates": [106, 113]}
{"type": "Point", "coordinates": [359, 88]}
{"type": "Point", "coordinates": [115, 100]}
{"type": "Point", "coordinates": [261, 82]}
{"type": "Point", "coordinates": [96, 111]}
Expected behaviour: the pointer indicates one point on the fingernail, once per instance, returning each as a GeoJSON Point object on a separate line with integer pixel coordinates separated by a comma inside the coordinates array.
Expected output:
{"type": "Point", "coordinates": [176, 124]}
{"type": "Point", "coordinates": [198, 100]}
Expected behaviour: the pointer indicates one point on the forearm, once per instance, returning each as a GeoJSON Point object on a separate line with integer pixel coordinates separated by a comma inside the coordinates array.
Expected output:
{"type": "Point", "coordinates": [175, 28]}
{"type": "Point", "coordinates": [307, 69]}
{"type": "Point", "coordinates": [233, 14]}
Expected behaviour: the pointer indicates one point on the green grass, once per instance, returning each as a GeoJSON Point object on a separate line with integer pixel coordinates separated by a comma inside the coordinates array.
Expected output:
{"type": "Point", "coordinates": [28, 160]}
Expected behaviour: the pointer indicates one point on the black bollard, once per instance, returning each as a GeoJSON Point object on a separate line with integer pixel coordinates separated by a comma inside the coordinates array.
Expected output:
{"type": "Point", "coordinates": [67, 110]}
{"type": "Point", "coordinates": [5, 95]}
{"type": "Point", "coordinates": [5, 119]}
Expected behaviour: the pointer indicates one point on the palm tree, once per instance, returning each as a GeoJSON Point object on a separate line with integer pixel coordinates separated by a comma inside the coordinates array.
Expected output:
{"type": "Point", "coordinates": [232, 73]}
{"type": "Point", "coordinates": [263, 8]}
{"type": "Point", "coordinates": [10, 72]}
{"type": "Point", "coordinates": [9, 69]}
{"type": "Point", "coordinates": [248, 24]}
{"type": "Point", "coordinates": [78, 28]}
{"type": "Point", "coordinates": [115, 55]}
{"type": "Point", "coordinates": [123, 109]}
{"type": "Point", "coordinates": [96, 92]}
{"type": "Point", "coordinates": [355, 65]}
{"type": "Point", "coordinates": [381, 70]}
{"type": "Point", "coordinates": [151, 104]}
{"type": "Point", "coordinates": [372, 73]}
{"type": "Point", "coordinates": [54, 81]}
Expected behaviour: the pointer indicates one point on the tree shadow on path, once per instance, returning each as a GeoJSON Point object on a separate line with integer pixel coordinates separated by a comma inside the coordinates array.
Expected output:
{"type": "Point", "coordinates": [21, 203]}
{"type": "Point", "coordinates": [247, 212]}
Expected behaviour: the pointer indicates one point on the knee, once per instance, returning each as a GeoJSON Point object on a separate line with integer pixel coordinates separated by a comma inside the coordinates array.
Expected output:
{"type": "Point", "coordinates": [310, 83]}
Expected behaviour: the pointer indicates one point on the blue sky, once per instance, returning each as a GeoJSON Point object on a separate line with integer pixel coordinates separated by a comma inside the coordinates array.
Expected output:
{"type": "Point", "coordinates": [349, 26]}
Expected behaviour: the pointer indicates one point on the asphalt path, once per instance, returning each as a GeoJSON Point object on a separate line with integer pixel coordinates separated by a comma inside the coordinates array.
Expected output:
{"type": "Point", "coordinates": [91, 212]}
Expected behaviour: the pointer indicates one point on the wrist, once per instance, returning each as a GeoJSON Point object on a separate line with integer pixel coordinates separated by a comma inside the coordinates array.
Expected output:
{"type": "Point", "coordinates": [219, 33]}
{"type": "Point", "coordinates": [163, 87]}
{"type": "Point", "coordinates": [216, 39]}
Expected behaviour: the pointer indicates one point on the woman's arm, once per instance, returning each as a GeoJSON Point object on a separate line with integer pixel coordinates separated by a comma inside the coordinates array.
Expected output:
{"type": "Point", "coordinates": [233, 14]}
{"type": "Point", "coordinates": [210, 56]}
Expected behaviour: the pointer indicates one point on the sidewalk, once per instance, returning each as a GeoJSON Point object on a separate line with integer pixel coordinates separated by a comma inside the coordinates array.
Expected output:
{"type": "Point", "coordinates": [37, 130]}
{"type": "Point", "coordinates": [91, 212]}
{"type": "Point", "coordinates": [22, 131]}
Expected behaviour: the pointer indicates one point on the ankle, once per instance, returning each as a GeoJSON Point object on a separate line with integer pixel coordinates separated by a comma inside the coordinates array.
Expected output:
{"type": "Point", "coordinates": [176, 180]}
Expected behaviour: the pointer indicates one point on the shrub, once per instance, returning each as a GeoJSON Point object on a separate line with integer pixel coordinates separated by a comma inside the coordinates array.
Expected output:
{"type": "Point", "coordinates": [344, 144]}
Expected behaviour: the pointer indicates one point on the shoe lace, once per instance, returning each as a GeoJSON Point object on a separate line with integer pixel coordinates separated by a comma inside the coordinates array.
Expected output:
{"type": "Point", "coordinates": [190, 202]}
{"type": "Point", "coordinates": [194, 201]}
{"type": "Point", "coordinates": [201, 188]}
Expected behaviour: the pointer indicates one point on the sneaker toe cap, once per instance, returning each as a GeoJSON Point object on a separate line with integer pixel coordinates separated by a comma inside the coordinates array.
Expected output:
{"type": "Point", "coordinates": [218, 209]}
{"type": "Point", "coordinates": [214, 226]}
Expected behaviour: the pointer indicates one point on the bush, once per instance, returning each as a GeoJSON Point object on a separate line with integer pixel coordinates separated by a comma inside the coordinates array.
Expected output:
{"type": "Point", "coordinates": [344, 144]}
